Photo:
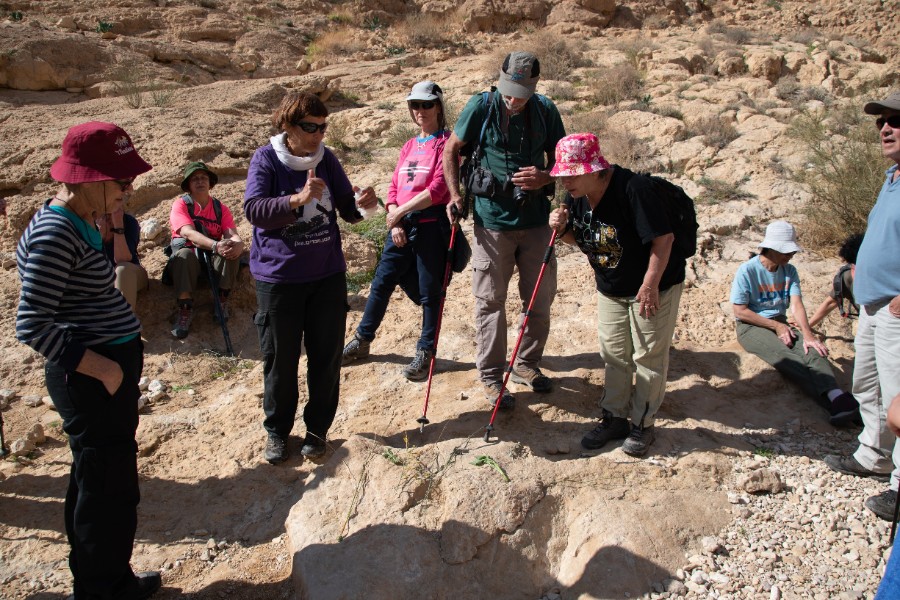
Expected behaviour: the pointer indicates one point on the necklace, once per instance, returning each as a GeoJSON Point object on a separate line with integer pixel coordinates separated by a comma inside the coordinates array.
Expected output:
{"type": "Point", "coordinates": [421, 142]}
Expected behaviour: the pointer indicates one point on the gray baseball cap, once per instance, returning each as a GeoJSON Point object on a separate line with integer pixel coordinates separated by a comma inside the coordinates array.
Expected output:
{"type": "Point", "coordinates": [892, 102]}
{"type": "Point", "coordinates": [519, 75]}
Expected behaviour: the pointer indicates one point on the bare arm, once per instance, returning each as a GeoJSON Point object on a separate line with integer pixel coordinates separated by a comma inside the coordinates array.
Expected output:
{"type": "Point", "coordinates": [452, 148]}
{"type": "Point", "coordinates": [418, 202]}
{"type": "Point", "coordinates": [828, 305]}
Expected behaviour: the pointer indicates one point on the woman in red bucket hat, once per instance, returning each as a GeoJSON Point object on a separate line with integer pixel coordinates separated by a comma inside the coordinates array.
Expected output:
{"type": "Point", "coordinates": [70, 312]}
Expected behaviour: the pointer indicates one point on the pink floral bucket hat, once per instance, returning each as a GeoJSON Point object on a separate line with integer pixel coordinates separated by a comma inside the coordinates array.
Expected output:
{"type": "Point", "coordinates": [578, 154]}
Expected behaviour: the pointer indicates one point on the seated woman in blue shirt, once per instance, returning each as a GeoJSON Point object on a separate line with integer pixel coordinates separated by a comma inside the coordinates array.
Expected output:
{"type": "Point", "coordinates": [763, 289]}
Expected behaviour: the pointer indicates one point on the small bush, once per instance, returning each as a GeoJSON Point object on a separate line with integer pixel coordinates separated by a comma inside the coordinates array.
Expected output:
{"type": "Point", "coordinates": [667, 111]}
{"type": "Point", "coordinates": [337, 42]}
{"type": "Point", "coordinates": [844, 174]}
{"type": "Point", "coordinates": [129, 84]}
{"type": "Point", "coordinates": [718, 190]}
{"type": "Point", "coordinates": [635, 49]}
{"type": "Point", "coordinates": [103, 27]}
{"type": "Point", "coordinates": [337, 133]}
{"type": "Point", "coordinates": [615, 84]}
{"type": "Point", "coordinates": [161, 95]}
{"type": "Point", "coordinates": [427, 30]}
{"type": "Point", "coordinates": [557, 57]}
{"type": "Point", "coordinates": [560, 90]}
{"type": "Point", "coordinates": [16, 15]}
{"type": "Point", "coordinates": [716, 132]}
{"type": "Point", "coordinates": [400, 133]}
{"type": "Point", "coordinates": [625, 148]}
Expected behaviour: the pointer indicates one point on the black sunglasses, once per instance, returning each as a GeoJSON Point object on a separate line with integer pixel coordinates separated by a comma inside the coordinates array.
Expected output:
{"type": "Point", "coordinates": [893, 121]}
{"type": "Point", "coordinates": [425, 105]}
{"type": "Point", "coordinates": [311, 127]}
{"type": "Point", "coordinates": [123, 183]}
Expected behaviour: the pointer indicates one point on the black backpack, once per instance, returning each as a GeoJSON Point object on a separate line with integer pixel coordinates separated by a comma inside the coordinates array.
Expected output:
{"type": "Point", "coordinates": [681, 213]}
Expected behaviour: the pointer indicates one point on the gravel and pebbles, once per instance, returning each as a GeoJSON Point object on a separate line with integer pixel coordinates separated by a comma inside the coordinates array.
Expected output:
{"type": "Point", "coordinates": [814, 539]}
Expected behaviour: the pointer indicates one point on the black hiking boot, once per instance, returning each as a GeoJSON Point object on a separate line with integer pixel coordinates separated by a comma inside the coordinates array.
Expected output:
{"type": "Point", "coordinates": [276, 449]}
{"type": "Point", "coordinates": [417, 370]}
{"type": "Point", "coordinates": [610, 428]}
{"type": "Point", "coordinates": [638, 441]}
{"type": "Point", "coordinates": [355, 349]}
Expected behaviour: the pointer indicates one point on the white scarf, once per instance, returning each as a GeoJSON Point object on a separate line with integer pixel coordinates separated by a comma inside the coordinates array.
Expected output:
{"type": "Point", "coordinates": [296, 163]}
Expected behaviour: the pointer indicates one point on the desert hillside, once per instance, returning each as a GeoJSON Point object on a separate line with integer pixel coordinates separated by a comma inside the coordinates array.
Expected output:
{"type": "Point", "coordinates": [754, 107]}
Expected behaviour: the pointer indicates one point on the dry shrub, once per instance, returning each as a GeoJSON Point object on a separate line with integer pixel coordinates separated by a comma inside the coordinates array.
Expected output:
{"type": "Point", "coordinates": [337, 42]}
{"type": "Point", "coordinates": [715, 131]}
{"type": "Point", "coordinates": [427, 30]}
{"type": "Point", "coordinates": [614, 84]}
{"type": "Point", "coordinates": [625, 148]}
{"type": "Point", "coordinates": [635, 49]}
{"type": "Point", "coordinates": [560, 90]}
{"type": "Point", "coordinates": [557, 57]}
{"type": "Point", "coordinates": [585, 122]}
{"type": "Point", "coordinates": [845, 172]}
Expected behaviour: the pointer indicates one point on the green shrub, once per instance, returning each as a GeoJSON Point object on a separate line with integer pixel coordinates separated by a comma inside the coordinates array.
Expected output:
{"type": "Point", "coordinates": [844, 172]}
{"type": "Point", "coordinates": [16, 15]}
{"type": "Point", "coordinates": [103, 27]}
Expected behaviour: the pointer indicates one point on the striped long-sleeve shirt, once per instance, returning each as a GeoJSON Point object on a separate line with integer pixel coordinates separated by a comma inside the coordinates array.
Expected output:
{"type": "Point", "coordinates": [68, 301]}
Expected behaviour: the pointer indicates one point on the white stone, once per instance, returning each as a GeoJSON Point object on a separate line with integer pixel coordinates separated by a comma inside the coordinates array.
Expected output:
{"type": "Point", "coordinates": [151, 228]}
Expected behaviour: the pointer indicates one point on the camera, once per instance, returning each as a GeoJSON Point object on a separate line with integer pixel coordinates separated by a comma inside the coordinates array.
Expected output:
{"type": "Point", "coordinates": [518, 194]}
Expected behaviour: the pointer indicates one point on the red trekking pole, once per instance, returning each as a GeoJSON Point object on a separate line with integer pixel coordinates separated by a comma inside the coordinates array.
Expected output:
{"type": "Point", "coordinates": [547, 254]}
{"type": "Point", "coordinates": [423, 420]}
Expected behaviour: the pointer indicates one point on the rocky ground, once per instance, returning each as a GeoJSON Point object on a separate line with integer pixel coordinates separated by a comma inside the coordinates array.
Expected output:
{"type": "Point", "coordinates": [734, 500]}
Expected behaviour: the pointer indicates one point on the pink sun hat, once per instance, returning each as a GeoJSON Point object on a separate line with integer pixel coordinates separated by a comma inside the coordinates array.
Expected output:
{"type": "Point", "coordinates": [578, 154]}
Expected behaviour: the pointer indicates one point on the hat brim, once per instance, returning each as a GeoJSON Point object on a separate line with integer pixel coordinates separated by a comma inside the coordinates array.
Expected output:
{"type": "Point", "coordinates": [575, 169]}
{"type": "Point", "coordinates": [877, 108]}
{"type": "Point", "coordinates": [423, 96]}
{"type": "Point", "coordinates": [508, 87]}
{"type": "Point", "coordinates": [65, 171]}
{"type": "Point", "coordinates": [782, 247]}
{"type": "Point", "coordinates": [213, 178]}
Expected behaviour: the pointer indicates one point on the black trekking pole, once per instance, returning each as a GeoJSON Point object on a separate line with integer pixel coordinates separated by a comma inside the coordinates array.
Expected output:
{"type": "Point", "coordinates": [220, 314]}
{"type": "Point", "coordinates": [547, 254]}
{"type": "Point", "coordinates": [3, 449]}
{"type": "Point", "coordinates": [423, 420]}
{"type": "Point", "coordinates": [896, 516]}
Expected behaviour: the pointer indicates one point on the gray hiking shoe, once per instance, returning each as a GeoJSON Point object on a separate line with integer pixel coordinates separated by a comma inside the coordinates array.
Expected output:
{"type": "Point", "coordinates": [183, 321]}
{"type": "Point", "coordinates": [610, 428]}
{"type": "Point", "coordinates": [532, 377]}
{"type": "Point", "coordinates": [848, 465]}
{"type": "Point", "coordinates": [355, 349]}
{"type": "Point", "coordinates": [638, 441]}
{"type": "Point", "coordinates": [276, 449]}
{"type": "Point", "coordinates": [492, 392]}
{"type": "Point", "coordinates": [417, 370]}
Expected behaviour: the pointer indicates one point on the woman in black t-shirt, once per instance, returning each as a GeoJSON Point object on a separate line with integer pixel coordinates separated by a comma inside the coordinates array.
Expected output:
{"type": "Point", "coordinates": [620, 224]}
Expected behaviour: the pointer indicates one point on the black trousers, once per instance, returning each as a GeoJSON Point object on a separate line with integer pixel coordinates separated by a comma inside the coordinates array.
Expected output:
{"type": "Point", "coordinates": [286, 314]}
{"type": "Point", "coordinates": [101, 502]}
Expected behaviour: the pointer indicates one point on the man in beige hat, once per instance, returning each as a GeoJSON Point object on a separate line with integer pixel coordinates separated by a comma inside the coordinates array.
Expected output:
{"type": "Point", "coordinates": [876, 370]}
{"type": "Point", "coordinates": [515, 133]}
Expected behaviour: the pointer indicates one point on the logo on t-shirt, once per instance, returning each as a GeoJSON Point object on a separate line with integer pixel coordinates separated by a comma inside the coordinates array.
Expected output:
{"type": "Point", "coordinates": [312, 222]}
{"type": "Point", "coordinates": [598, 241]}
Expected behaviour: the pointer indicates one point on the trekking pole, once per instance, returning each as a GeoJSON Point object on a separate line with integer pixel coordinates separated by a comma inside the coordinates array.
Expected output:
{"type": "Point", "coordinates": [3, 450]}
{"type": "Point", "coordinates": [896, 516]}
{"type": "Point", "coordinates": [547, 254]}
{"type": "Point", "coordinates": [423, 420]}
{"type": "Point", "coordinates": [220, 314]}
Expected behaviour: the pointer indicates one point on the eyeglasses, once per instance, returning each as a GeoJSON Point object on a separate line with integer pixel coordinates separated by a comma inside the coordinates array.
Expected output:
{"type": "Point", "coordinates": [893, 121]}
{"type": "Point", "coordinates": [425, 105]}
{"type": "Point", "coordinates": [311, 127]}
{"type": "Point", "coordinates": [123, 183]}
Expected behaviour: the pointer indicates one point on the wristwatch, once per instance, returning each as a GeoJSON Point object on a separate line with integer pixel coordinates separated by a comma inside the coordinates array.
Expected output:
{"type": "Point", "coordinates": [119, 230]}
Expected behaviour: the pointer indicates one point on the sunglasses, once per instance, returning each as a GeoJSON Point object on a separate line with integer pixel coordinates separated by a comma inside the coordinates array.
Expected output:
{"type": "Point", "coordinates": [416, 105]}
{"type": "Point", "coordinates": [311, 127]}
{"type": "Point", "coordinates": [893, 121]}
{"type": "Point", "coordinates": [123, 183]}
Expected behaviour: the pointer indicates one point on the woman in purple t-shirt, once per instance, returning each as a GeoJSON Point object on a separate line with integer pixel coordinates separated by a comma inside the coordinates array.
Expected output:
{"type": "Point", "coordinates": [415, 252]}
{"type": "Point", "coordinates": [295, 189]}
